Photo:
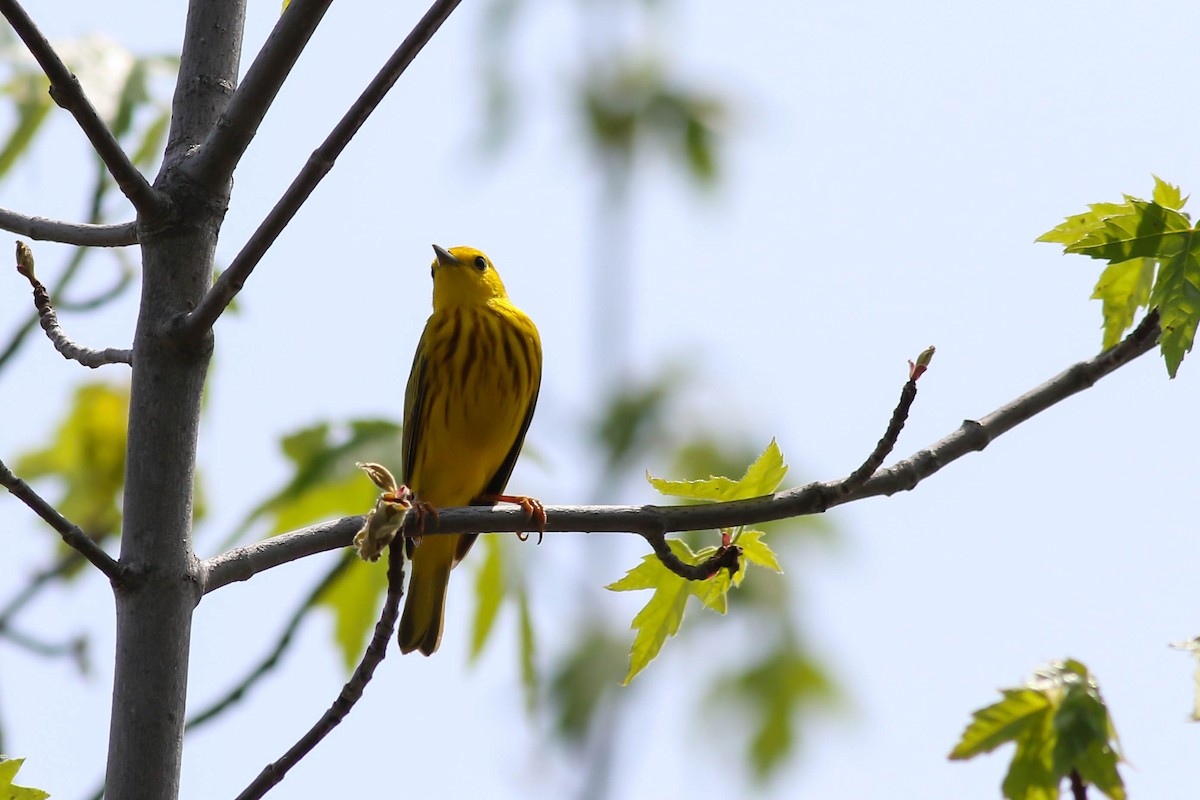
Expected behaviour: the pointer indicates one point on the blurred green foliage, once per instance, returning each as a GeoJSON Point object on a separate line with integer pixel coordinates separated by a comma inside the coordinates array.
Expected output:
{"type": "Point", "coordinates": [1061, 727]}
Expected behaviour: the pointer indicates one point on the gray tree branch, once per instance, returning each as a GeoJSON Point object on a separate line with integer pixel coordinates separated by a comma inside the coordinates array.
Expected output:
{"type": "Point", "coordinates": [199, 321]}
{"type": "Point", "coordinates": [66, 91]}
{"type": "Point", "coordinates": [351, 691]}
{"type": "Point", "coordinates": [69, 531]}
{"type": "Point", "coordinates": [652, 522]}
{"type": "Point", "coordinates": [49, 319]}
{"type": "Point", "coordinates": [78, 233]}
{"type": "Point", "coordinates": [217, 158]}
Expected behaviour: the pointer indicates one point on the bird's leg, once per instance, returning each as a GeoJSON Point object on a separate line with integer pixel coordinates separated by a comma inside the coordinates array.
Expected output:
{"type": "Point", "coordinates": [421, 510]}
{"type": "Point", "coordinates": [533, 509]}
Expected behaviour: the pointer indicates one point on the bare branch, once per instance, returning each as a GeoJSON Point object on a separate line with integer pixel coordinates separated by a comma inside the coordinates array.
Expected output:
{"type": "Point", "coordinates": [351, 692]}
{"type": "Point", "coordinates": [77, 233]}
{"type": "Point", "coordinates": [264, 667]}
{"type": "Point", "coordinates": [228, 140]}
{"type": "Point", "coordinates": [243, 563]}
{"type": "Point", "coordinates": [66, 91]}
{"type": "Point", "coordinates": [196, 323]}
{"type": "Point", "coordinates": [899, 416]}
{"type": "Point", "coordinates": [654, 521]}
{"type": "Point", "coordinates": [49, 319]}
{"type": "Point", "coordinates": [70, 533]}
{"type": "Point", "coordinates": [726, 557]}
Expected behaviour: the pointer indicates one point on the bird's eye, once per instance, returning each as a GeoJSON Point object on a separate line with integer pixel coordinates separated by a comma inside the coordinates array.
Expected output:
{"type": "Point", "coordinates": [480, 263]}
{"type": "Point", "coordinates": [433, 272]}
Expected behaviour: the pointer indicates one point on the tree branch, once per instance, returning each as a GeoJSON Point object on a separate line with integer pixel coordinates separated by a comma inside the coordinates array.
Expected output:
{"type": "Point", "coordinates": [200, 320]}
{"type": "Point", "coordinates": [66, 91]}
{"type": "Point", "coordinates": [351, 692]}
{"type": "Point", "coordinates": [228, 140]}
{"type": "Point", "coordinates": [263, 668]}
{"type": "Point", "coordinates": [49, 319]}
{"type": "Point", "coordinates": [71, 534]}
{"type": "Point", "coordinates": [77, 233]}
{"type": "Point", "coordinates": [652, 521]}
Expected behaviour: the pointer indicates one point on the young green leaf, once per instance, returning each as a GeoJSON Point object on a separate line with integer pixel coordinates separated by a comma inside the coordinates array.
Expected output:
{"type": "Point", "coordinates": [1124, 287]}
{"type": "Point", "coordinates": [755, 550]}
{"type": "Point", "coordinates": [762, 477]}
{"type": "Point", "coordinates": [9, 790]}
{"type": "Point", "coordinates": [1133, 237]}
{"type": "Point", "coordinates": [1169, 195]}
{"type": "Point", "coordinates": [1080, 225]}
{"type": "Point", "coordinates": [1060, 726]}
{"type": "Point", "coordinates": [661, 617]}
{"type": "Point", "coordinates": [1001, 723]}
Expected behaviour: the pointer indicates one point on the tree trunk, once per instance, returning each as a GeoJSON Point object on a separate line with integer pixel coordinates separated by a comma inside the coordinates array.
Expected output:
{"type": "Point", "coordinates": [160, 589]}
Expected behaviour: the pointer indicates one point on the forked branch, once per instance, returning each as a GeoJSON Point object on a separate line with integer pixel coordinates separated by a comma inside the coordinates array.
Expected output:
{"type": "Point", "coordinates": [650, 521]}
{"type": "Point", "coordinates": [229, 138]}
{"type": "Point", "coordinates": [197, 323]}
{"type": "Point", "coordinates": [66, 91]}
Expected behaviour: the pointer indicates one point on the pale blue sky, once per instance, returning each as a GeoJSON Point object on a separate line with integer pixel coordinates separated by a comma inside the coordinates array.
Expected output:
{"type": "Point", "coordinates": [887, 168]}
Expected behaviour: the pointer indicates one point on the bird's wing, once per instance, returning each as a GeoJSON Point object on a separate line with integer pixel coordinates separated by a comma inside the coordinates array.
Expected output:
{"type": "Point", "coordinates": [416, 399]}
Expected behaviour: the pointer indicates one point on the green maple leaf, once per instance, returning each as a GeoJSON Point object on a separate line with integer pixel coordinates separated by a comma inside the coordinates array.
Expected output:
{"type": "Point", "coordinates": [10, 791]}
{"type": "Point", "coordinates": [661, 617]}
{"type": "Point", "coordinates": [1137, 238]}
{"type": "Point", "coordinates": [762, 477]}
{"type": "Point", "coordinates": [1059, 724]}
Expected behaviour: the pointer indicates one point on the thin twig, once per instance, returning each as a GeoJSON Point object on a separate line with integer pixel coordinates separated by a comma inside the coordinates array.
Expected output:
{"type": "Point", "coordinates": [227, 141]}
{"type": "Point", "coordinates": [726, 557]}
{"type": "Point", "coordinates": [649, 520]}
{"type": "Point", "coordinates": [351, 692]}
{"type": "Point", "coordinates": [49, 319]}
{"type": "Point", "coordinates": [200, 320]}
{"type": "Point", "coordinates": [74, 263]}
{"type": "Point", "coordinates": [263, 668]}
{"type": "Point", "coordinates": [70, 533]}
{"type": "Point", "coordinates": [77, 233]}
{"type": "Point", "coordinates": [899, 416]}
{"type": "Point", "coordinates": [66, 91]}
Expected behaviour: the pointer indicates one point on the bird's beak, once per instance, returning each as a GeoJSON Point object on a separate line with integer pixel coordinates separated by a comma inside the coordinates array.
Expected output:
{"type": "Point", "coordinates": [445, 258]}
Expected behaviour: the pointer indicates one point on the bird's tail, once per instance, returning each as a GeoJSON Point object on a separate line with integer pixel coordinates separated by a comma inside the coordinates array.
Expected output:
{"type": "Point", "coordinates": [425, 608]}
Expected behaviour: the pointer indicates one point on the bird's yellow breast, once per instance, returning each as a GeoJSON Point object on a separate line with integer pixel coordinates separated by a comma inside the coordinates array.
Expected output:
{"type": "Point", "coordinates": [488, 361]}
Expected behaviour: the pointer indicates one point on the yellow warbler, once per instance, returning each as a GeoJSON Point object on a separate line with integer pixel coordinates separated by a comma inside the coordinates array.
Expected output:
{"type": "Point", "coordinates": [470, 397]}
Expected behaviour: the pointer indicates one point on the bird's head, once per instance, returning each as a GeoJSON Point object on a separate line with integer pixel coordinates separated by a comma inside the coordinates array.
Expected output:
{"type": "Point", "coordinates": [463, 276]}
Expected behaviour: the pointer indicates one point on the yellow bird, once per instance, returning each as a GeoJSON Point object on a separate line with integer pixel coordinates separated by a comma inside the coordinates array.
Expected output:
{"type": "Point", "coordinates": [470, 397]}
